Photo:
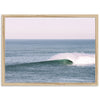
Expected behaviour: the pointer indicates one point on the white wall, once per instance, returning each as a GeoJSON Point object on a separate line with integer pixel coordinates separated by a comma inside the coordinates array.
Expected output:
{"type": "Point", "coordinates": [49, 7]}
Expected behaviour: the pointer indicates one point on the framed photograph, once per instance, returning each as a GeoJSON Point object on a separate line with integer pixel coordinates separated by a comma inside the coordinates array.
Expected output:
{"type": "Point", "coordinates": [49, 50]}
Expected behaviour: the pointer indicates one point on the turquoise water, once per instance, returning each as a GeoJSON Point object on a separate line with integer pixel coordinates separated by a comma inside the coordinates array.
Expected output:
{"type": "Point", "coordinates": [30, 61]}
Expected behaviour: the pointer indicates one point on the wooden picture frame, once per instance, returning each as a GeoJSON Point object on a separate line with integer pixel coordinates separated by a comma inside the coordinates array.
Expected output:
{"type": "Point", "coordinates": [49, 83]}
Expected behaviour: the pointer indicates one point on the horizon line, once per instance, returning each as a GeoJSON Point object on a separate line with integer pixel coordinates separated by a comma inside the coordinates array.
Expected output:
{"type": "Point", "coordinates": [50, 39]}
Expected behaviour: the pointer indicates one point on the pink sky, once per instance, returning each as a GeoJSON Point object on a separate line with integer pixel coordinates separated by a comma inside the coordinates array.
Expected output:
{"type": "Point", "coordinates": [50, 28]}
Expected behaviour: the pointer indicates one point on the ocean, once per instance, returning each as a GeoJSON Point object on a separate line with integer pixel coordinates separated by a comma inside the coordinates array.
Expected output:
{"type": "Point", "coordinates": [49, 61]}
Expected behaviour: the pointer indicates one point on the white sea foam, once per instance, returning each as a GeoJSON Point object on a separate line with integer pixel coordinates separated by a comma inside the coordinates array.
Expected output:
{"type": "Point", "coordinates": [77, 58]}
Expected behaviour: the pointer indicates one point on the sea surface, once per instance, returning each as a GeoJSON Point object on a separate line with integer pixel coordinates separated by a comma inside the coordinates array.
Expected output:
{"type": "Point", "coordinates": [45, 61]}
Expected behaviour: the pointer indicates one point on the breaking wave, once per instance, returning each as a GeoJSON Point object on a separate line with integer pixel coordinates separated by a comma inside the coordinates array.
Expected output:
{"type": "Point", "coordinates": [77, 58]}
{"type": "Point", "coordinates": [62, 61]}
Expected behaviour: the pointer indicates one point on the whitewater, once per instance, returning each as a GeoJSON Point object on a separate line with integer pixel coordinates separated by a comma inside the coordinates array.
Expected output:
{"type": "Point", "coordinates": [77, 58]}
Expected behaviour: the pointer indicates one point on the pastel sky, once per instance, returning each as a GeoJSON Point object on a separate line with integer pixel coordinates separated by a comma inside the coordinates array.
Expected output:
{"type": "Point", "coordinates": [50, 28]}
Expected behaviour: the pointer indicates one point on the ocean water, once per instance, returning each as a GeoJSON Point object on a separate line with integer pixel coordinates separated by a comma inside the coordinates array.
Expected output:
{"type": "Point", "coordinates": [49, 61]}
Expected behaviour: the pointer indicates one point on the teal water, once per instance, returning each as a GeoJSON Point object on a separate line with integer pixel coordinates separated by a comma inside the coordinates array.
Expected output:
{"type": "Point", "coordinates": [33, 61]}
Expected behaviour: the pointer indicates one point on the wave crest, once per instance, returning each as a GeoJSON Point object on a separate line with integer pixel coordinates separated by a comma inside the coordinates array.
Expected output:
{"type": "Point", "coordinates": [77, 58]}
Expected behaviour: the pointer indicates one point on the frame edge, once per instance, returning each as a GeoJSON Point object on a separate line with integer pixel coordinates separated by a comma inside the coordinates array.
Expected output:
{"type": "Point", "coordinates": [48, 84]}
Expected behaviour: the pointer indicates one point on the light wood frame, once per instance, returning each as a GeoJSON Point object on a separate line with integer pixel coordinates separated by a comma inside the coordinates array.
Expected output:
{"type": "Point", "coordinates": [50, 84]}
